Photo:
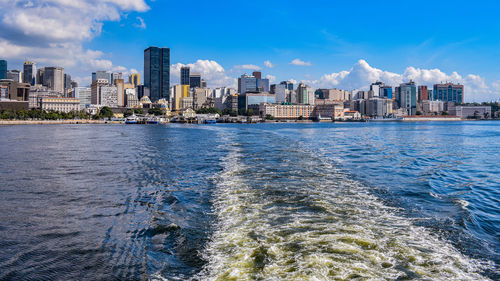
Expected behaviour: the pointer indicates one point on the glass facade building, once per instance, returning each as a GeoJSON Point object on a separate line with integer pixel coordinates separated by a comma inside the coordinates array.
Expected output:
{"type": "Point", "coordinates": [449, 92]}
{"type": "Point", "coordinates": [3, 69]}
{"type": "Point", "coordinates": [29, 73]}
{"type": "Point", "coordinates": [195, 80]}
{"type": "Point", "coordinates": [185, 75]}
{"type": "Point", "coordinates": [157, 73]}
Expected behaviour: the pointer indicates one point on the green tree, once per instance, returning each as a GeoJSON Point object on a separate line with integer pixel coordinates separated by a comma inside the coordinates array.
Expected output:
{"type": "Point", "coordinates": [250, 112]}
{"type": "Point", "coordinates": [419, 113]}
{"type": "Point", "coordinates": [155, 111]}
{"type": "Point", "coordinates": [138, 111]}
{"type": "Point", "coordinates": [269, 117]}
{"type": "Point", "coordinates": [106, 112]}
{"type": "Point", "coordinates": [445, 113]}
{"type": "Point", "coordinates": [128, 112]}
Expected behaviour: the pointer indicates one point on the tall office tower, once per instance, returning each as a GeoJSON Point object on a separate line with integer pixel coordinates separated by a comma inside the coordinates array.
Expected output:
{"type": "Point", "coordinates": [305, 94]}
{"type": "Point", "coordinates": [281, 91]}
{"type": "Point", "coordinates": [134, 79]}
{"type": "Point", "coordinates": [115, 76]}
{"type": "Point", "coordinates": [386, 92]}
{"type": "Point", "coordinates": [3, 69]}
{"type": "Point", "coordinates": [252, 84]}
{"type": "Point", "coordinates": [288, 84]}
{"type": "Point", "coordinates": [257, 74]}
{"type": "Point", "coordinates": [375, 88]}
{"type": "Point", "coordinates": [120, 92]}
{"type": "Point", "coordinates": [157, 73]}
{"type": "Point", "coordinates": [408, 97]}
{"type": "Point", "coordinates": [39, 75]}
{"type": "Point", "coordinates": [102, 74]}
{"type": "Point", "coordinates": [67, 81]}
{"type": "Point", "coordinates": [53, 78]}
{"type": "Point", "coordinates": [449, 92]}
{"type": "Point", "coordinates": [29, 73]}
{"type": "Point", "coordinates": [195, 80]}
{"type": "Point", "coordinates": [14, 75]}
{"type": "Point", "coordinates": [422, 93]}
{"type": "Point", "coordinates": [185, 75]}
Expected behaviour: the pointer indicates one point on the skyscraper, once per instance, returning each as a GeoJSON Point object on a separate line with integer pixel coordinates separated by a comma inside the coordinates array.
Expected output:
{"type": "Point", "coordinates": [449, 92]}
{"type": "Point", "coordinates": [134, 79]}
{"type": "Point", "coordinates": [102, 74]}
{"type": "Point", "coordinates": [185, 75]}
{"type": "Point", "coordinates": [195, 80]}
{"type": "Point", "coordinates": [29, 73]}
{"type": "Point", "coordinates": [408, 97]}
{"type": "Point", "coordinates": [3, 69]}
{"type": "Point", "coordinates": [422, 93]}
{"type": "Point", "coordinates": [53, 78]}
{"type": "Point", "coordinates": [157, 73]}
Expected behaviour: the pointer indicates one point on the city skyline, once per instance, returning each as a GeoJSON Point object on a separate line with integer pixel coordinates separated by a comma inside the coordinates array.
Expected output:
{"type": "Point", "coordinates": [347, 52]}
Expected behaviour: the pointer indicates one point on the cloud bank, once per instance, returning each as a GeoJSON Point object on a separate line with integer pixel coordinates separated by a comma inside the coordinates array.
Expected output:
{"type": "Point", "coordinates": [52, 32]}
{"type": "Point", "coordinates": [361, 75]}
{"type": "Point", "coordinates": [210, 70]}
{"type": "Point", "coordinates": [300, 62]}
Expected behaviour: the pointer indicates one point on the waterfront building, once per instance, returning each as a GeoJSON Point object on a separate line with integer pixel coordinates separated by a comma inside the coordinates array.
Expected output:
{"type": "Point", "coordinates": [185, 75]}
{"type": "Point", "coordinates": [186, 102]}
{"type": "Point", "coordinates": [3, 69]}
{"type": "Point", "coordinates": [134, 79]}
{"type": "Point", "coordinates": [231, 102]}
{"type": "Point", "coordinates": [84, 94]}
{"type": "Point", "coordinates": [61, 104]}
{"type": "Point", "coordinates": [15, 75]}
{"type": "Point", "coordinates": [253, 100]}
{"type": "Point", "coordinates": [102, 74]}
{"type": "Point", "coordinates": [286, 111]}
{"type": "Point", "coordinates": [470, 111]}
{"type": "Point", "coordinates": [432, 107]}
{"type": "Point", "coordinates": [195, 80]}
{"type": "Point", "coordinates": [328, 109]}
{"type": "Point", "coordinates": [423, 94]}
{"type": "Point", "coordinates": [378, 107]}
{"type": "Point", "coordinates": [53, 78]}
{"type": "Point", "coordinates": [157, 72]}
{"type": "Point", "coordinates": [305, 94]}
{"type": "Point", "coordinates": [352, 115]}
{"type": "Point", "coordinates": [29, 73]}
{"type": "Point", "coordinates": [17, 91]}
{"type": "Point", "coordinates": [449, 92]}
{"type": "Point", "coordinates": [145, 102]}
{"type": "Point", "coordinates": [408, 97]}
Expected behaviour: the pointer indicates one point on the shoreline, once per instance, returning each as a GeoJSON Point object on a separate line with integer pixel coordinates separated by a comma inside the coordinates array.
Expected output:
{"type": "Point", "coordinates": [103, 122]}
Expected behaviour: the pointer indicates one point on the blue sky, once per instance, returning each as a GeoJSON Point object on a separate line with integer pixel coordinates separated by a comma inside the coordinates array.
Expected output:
{"type": "Point", "coordinates": [344, 44]}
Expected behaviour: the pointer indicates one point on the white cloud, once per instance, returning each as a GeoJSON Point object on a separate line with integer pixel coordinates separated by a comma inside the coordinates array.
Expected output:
{"type": "Point", "coordinates": [210, 70]}
{"type": "Point", "coordinates": [271, 78]}
{"type": "Point", "coordinates": [361, 75]}
{"type": "Point", "coordinates": [300, 62]}
{"type": "Point", "coordinates": [248, 67]}
{"type": "Point", "coordinates": [141, 24]}
{"type": "Point", "coordinates": [293, 81]}
{"type": "Point", "coordinates": [52, 32]}
{"type": "Point", "coordinates": [268, 64]}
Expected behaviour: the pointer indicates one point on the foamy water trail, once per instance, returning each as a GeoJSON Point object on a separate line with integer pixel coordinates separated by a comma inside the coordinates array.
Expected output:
{"type": "Point", "coordinates": [310, 221]}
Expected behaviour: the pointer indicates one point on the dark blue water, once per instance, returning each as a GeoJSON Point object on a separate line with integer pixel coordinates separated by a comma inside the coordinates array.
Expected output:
{"type": "Point", "coordinates": [243, 202]}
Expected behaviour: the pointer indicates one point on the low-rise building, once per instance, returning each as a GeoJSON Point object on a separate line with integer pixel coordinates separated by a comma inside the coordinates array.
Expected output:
{"type": "Point", "coordinates": [328, 109]}
{"type": "Point", "coordinates": [352, 115]}
{"type": "Point", "coordinates": [60, 104]}
{"type": "Point", "coordinates": [470, 111]}
{"type": "Point", "coordinates": [430, 107]}
{"type": "Point", "coordinates": [17, 91]}
{"type": "Point", "coordinates": [286, 111]}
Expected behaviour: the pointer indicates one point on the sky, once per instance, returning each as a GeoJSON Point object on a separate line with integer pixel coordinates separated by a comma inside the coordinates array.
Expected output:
{"type": "Point", "coordinates": [333, 44]}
